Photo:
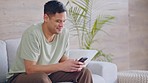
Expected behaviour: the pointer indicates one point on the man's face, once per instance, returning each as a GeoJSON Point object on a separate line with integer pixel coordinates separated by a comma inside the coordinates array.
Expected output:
{"type": "Point", "coordinates": [55, 22]}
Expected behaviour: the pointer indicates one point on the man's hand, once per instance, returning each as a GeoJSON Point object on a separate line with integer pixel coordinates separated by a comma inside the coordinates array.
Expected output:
{"type": "Point", "coordinates": [71, 65]}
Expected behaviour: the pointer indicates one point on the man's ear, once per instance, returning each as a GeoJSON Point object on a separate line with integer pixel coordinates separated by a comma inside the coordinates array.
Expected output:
{"type": "Point", "coordinates": [46, 18]}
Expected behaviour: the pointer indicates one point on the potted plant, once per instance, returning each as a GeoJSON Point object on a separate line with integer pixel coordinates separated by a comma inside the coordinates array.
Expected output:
{"type": "Point", "coordinates": [86, 28]}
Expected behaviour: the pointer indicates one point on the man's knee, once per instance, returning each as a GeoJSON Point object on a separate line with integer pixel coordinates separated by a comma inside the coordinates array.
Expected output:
{"type": "Point", "coordinates": [33, 78]}
{"type": "Point", "coordinates": [43, 78]}
{"type": "Point", "coordinates": [85, 76]}
{"type": "Point", "coordinates": [86, 71]}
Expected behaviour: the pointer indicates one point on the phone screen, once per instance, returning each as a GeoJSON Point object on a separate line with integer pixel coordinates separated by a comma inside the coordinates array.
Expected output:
{"type": "Point", "coordinates": [83, 59]}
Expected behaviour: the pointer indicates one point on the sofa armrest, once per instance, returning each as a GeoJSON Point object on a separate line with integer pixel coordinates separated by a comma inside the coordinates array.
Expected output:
{"type": "Point", "coordinates": [105, 69]}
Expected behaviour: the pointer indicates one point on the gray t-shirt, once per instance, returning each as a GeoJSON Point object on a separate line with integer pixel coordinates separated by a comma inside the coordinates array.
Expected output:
{"type": "Point", "coordinates": [34, 47]}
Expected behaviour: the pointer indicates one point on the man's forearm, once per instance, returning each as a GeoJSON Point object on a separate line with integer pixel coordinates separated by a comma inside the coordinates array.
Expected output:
{"type": "Point", "coordinates": [32, 67]}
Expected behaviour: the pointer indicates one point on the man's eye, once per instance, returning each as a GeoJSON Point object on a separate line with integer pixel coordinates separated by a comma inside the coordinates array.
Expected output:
{"type": "Point", "coordinates": [64, 20]}
{"type": "Point", "coordinates": [57, 20]}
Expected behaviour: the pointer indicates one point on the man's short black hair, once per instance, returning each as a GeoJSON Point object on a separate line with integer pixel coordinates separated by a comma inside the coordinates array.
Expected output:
{"type": "Point", "coordinates": [53, 7]}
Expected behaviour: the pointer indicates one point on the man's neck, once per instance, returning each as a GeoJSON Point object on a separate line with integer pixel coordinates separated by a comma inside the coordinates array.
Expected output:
{"type": "Point", "coordinates": [49, 36]}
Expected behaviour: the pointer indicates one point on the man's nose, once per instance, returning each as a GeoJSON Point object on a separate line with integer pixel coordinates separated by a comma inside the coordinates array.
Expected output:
{"type": "Point", "coordinates": [61, 24]}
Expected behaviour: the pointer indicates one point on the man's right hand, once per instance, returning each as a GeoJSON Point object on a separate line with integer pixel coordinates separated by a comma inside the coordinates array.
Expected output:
{"type": "Point", "coordinates": [71, 65]}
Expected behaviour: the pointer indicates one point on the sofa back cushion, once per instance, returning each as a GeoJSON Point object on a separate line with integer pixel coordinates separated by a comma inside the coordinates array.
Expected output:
{"type": "Point", "coordinates": [3, 62]}
{"type": "Point", "coordinates": [11, 46]}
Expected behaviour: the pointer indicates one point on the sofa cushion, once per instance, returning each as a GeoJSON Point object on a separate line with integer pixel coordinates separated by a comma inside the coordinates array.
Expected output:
{"type": "Point", "coordinates": [98, 79]}
{"type": "Point", "coordinates": [11, 46]}
{"type": "Point", "coordinates": [3, 62]}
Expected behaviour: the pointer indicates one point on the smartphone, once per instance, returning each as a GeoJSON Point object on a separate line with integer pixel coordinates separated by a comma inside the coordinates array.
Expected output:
{"type": "Point", "coordinates": [83, 59]}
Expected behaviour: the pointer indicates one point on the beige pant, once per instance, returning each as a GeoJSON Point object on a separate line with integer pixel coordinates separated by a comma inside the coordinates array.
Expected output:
{"type": "Point", "coordinates": [83, 76]}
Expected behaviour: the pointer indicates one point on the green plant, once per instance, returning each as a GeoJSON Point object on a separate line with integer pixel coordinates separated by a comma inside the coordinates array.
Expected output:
{"type": "Point", "coordinates": [80, 15]}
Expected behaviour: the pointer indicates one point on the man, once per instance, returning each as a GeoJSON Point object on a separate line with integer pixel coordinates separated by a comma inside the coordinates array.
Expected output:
{"type": "Point", "coordinates": [42, 56]}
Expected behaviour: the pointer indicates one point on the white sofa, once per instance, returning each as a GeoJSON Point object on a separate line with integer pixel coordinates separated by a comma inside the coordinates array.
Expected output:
{"type": "Point", "coordinates": [103, 72]}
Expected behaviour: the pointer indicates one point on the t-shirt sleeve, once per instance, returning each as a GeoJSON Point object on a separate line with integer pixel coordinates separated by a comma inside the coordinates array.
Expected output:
{"type": "Point", "coordinates": [29, 47]}
{"type": "Point", "coordinates": [66, 53]}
